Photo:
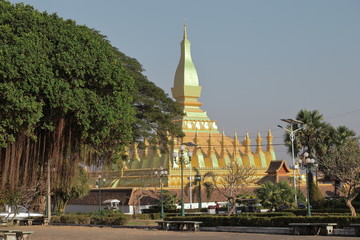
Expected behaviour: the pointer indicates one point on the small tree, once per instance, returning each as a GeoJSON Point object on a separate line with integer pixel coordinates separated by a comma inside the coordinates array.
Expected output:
{"type": "Point", "coordinates": [231, 185]}
{"type": "Point", "coordinates": [275, 195]}
{"type": "Point", "coordinates": [170, 200]}
{"type": "Point", "coordinates": [343, 163]}
{"type": "Point", "coordinates": [316, 197]}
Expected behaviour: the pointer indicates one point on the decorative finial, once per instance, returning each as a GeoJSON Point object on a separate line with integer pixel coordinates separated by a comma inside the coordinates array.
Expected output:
{"type": "Point", "coordinates": [185, 33]}
{"type": "Point", "coordinates": [247, 135]}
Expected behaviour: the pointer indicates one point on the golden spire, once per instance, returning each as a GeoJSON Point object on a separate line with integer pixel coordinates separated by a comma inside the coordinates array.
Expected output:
{"type": "Point", "coordinates": [235, 143]}
{"type": "Point", "coordinates": [247, 142]}
{"type": "Point", "coordinates": [222, 154]}
{"type": "Point", "coordinates": [258, 142]}
{"type": "Point", "coordinates": [270, 154]}
{"type": "Point", "coordinates": [185, 33]}
{"type": "Point", "coordinates": [269, 138]}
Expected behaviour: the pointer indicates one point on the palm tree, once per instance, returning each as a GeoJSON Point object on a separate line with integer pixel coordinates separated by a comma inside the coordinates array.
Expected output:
{"type": "Point", "coordinates": [317, 136]}
{"type": "Point", "coordinates": [341, 134]}
{"type": "Point", "coordinates": [314, 133]}
{"type": "Point", "coordinates": [199, 182]}
{"type": "Point", "coordinates": [275, 195]}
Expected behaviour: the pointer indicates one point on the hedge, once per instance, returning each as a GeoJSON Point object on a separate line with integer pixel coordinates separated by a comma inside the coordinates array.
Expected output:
{"type": "Point", "coordinates": [256, 221]}
{"type": "Point", "coordinates": [96, 220]}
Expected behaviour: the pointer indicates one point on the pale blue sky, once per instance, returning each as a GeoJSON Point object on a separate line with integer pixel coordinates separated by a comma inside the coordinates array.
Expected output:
{"type": "Point", "coordinates": [257, 61]}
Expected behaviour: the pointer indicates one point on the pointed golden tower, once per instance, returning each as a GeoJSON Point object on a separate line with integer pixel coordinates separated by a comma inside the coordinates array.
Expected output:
{"type": "Point", "coordinates": [224, 158]}
{"type": "Point", "coordinates": [211, 156]}
{"type": "Point", "coordinates": [186, 91]}
{"type": "Point", "coordinates": [248, 157]}
{"type": "Point", "coordinates": [270, 153]}
{"type": "Point", "coordinates": [259, 156]}
{"type": "Point", "coordinates": [212, 150]}
{"type": "Point", "coordinates": [236, 158]}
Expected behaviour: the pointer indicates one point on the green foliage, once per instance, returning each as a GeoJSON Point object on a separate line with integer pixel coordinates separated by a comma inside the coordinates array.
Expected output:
{"type": "Point", "coordinates": [275, 195]}
{"type": "Point", "coordinates": [79, 188]}
{"type": "Point", "coordinates": [154, 109]}
{"type": "Point", "coordinates": [316, 197]}
{"type": "Point", "coordinates": [11, 198]}
{"type": "Point", "coordinates": [51, 69]}
{"type": "Point", "coordinates": [300, 196]}
{"type": "Point", "coordinates": [108, 219]}
{"type": "Point", "coordinates": [170, 200]}
{"type": "Point", "coordinates": [201, 182]}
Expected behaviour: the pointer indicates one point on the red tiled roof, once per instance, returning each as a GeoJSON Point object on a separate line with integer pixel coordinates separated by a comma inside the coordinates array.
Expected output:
{"type": "Point", "coordinates": [276, 165]}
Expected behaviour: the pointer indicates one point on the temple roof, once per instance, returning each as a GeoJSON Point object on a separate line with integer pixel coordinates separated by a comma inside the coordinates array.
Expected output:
{"type": "Point", "coordinates": [278, 166]}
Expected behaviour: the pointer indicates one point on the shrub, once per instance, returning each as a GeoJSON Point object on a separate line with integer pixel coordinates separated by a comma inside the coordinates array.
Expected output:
{"type": "Point", "coordinates": [109, 220]}
{"type": "Point", "coordinates": [69, 219]}
{"type": "Point", "coordinates": [55, 219]}
{"type": "Point", "coordinates": [84, 219]}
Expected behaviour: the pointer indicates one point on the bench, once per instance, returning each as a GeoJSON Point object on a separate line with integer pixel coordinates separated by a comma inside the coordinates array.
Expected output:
{"type": "Point", "coordinates": [15, 234]}
{"type": "Point", "coordinates": [9, 236]}
{"type": "Point", "coordinates": [23, 222]}
{"type": "Point", "coordinates": [179, 225]}
{"type": "Point", "coordinates": [313, 228]}
{"type": "Point", "coordinates": [45, 221]}
{"type": "Point", "coordinates": [356, 227]}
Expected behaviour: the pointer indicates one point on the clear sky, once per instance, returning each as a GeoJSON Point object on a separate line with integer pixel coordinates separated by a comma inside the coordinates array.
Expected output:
{"type": "Point", "coordinates": [258, 61]}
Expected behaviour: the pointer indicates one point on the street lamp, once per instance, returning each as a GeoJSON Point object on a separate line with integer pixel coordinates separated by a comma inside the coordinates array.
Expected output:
{"type": "Point", "coordinates": [98, 185]}
{"type": "Point", "coordinates": [292, 132]}
{"type": "Point", "coordinates": [161, 173]}
{"type": "Point", "coordinates": [198, 179]}
{"type": "Point", "coordinates": [309, 164]}
{"type": "Point", "coordinates": [181, 160]}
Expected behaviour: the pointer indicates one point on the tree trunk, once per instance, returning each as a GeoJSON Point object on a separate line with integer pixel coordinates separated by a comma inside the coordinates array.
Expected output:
{"type": "Point", "coordinates": [351, 195]}
{"type": "Point", "coordinates": [232, 209]}
{"type": "Point", "coordinates": [352, 209]}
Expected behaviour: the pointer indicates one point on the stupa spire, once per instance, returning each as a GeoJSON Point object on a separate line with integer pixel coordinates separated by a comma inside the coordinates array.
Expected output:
{"type": "Point", "coordinates": [186, 81]}
{"type": "Point", "coordinates": [185, 33]}
{"type": "Point", "coordinates": [258, 142]}
{"type": "Point", "coordinates": [270, 153]}
{"type": "Point", "coordinates": [187, 90]}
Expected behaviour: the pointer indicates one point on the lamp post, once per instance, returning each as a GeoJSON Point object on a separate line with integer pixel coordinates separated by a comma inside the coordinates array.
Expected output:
{"type": "Point", "coordinates": [308, 164]}
{"type": "Point", "coordinates": [198, 179]}
{"type": "Point", "coordinates": [161, 173]}
{"type": "Point", "coordinates": [98, 185]}
{"type": "Point", "coordinates": [292, 132]}
{"type": "Point", "coordinates": [179, 158]}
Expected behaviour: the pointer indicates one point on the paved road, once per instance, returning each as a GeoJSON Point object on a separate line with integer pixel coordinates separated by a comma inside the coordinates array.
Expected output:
{"type": "Point", "coordinates": [107, 233]}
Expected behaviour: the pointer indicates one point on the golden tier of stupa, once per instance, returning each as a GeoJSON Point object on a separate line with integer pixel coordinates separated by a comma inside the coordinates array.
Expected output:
{"type": "Point", "coordinates": [212, 150]}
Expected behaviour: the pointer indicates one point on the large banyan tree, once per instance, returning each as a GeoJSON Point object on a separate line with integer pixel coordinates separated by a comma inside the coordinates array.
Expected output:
{"type": "Point", "coordinates": [65, 99]}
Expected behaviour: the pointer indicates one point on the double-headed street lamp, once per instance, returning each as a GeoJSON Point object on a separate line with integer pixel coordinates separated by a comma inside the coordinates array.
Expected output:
{"type": "Point", "coordinates": [161, 173]}
{"type": "Point", "coordinates": [98, 185]}
{"type": "Point", "coordinates": [181, 161]}
{"type": "Point", "coordinates": [309, 164]}
{"type": "Point", "coordinates": [292, 132]}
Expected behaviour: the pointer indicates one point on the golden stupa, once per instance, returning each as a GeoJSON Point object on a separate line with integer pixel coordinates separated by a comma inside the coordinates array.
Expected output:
{"type": "Point", "coordinates": [213, 151]}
